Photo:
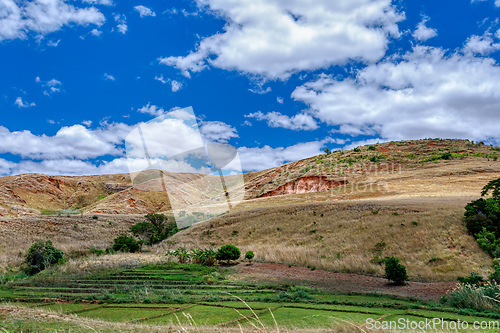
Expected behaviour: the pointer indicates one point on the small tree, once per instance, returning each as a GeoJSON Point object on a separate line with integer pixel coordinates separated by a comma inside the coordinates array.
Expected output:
{"type": "Point", "coordinates": [394, 271]}
{"type": "Point", "coordinates": [126, 243]}
{"type": "Point", "coordinates": [161, 229]}
{"type": "Point", "coordinates": [144, 231]}
{"type": "Point", "coordinates": [42, 255]}
{"type": "Point", "coordinates": [228, 252]}
{"type": "Point", "coordinates": [249, 256]}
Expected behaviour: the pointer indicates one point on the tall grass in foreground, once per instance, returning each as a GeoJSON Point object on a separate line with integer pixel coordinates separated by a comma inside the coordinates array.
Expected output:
{"type": "Point", "coordinates": [467, 296]}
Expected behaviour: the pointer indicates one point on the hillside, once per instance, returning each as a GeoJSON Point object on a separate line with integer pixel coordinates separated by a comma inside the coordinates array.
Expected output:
{"type": "Point", "coordinates": [328, 211]}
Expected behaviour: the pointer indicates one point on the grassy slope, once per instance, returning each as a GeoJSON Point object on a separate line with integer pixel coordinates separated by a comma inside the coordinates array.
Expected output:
{"type": "Point", "coordinates": [376, 206]}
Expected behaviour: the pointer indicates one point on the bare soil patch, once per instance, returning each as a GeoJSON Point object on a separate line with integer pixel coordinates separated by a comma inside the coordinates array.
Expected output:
{"type": "Point", "coordinates": [339, 282]}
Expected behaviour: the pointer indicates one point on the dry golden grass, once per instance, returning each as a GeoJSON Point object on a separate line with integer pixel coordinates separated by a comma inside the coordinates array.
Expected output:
{"type": "Point", "coordinates": [437, 247]}
{"type": "Point", "coordinates": [70, 234]}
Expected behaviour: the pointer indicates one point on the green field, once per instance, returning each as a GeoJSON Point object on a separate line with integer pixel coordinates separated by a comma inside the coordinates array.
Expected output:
{"type": "Point", "coordinates": [197, 296]}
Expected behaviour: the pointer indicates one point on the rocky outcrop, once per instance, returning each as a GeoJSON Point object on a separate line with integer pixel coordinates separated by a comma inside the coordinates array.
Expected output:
{"type": "Point", "coordinates": [308, 184]}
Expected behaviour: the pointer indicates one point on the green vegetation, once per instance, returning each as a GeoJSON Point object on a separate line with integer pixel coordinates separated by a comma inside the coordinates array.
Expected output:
{"type": "Point", "coordinates": [394, 271]}
{"type": "Point", "coordinates": [157, 294]}
{"type": "Point", "coordinates": [482, 218]}
{"type": "Point", "coordinates": [249, 256]}
{"type": "Point", "coordinates": [228, 252]}
{"type": "Point", "coordinates": [126, 243]}
{"type": "Point", "coordinates": [41, 255]}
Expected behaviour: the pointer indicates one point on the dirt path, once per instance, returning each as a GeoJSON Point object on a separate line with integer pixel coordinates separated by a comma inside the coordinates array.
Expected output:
{"type": "Point", "coordinates": [340, 282]}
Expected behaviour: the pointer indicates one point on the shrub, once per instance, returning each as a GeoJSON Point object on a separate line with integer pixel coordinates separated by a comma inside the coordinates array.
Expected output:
{"type": "Point", "coordinates": [249, 256]}
{"type": "Point", "coordinates": [181, 254]}
{"type": "Point", "coordinates": [357, 149]}
{"type": "Point", "coordinates": [394, 271]}
{"type": "Point", "coordinates": [372, 147]}
{"type": "Point", "coordinates": [126, 243]}
{"type": "Point", "coordinates": [228, 252]}
{"type": "Point", "coordinates": [495, 275]}
{"type": "Point", "coordinates": [203, 256]}
{"type": "Point", "coordinates": [40, 256]}
{"type": "Point", "coordinates": [473, 279]}
{"type": "Point", "coordinates": [95, 217]}
{"type": "Point", "coordinates": [96, 251]}
{"type": "Point", "coordinates": [467, 296]}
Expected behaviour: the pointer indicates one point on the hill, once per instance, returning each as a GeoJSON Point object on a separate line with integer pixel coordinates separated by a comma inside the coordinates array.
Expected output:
{"type": "Point", "coordinates": [336, 211]}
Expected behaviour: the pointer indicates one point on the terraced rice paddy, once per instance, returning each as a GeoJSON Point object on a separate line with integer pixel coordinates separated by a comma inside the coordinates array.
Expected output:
{"type": "Point", "coordinates": [174, 294]}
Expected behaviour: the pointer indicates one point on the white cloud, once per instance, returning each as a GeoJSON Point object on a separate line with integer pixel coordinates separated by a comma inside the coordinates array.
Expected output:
{"type": "Point", "coordinates": [109, 77]}
{"type": "Point", "coordinates": [423, 33]}
{"type": "Point", "coordinates": [69, 142]}
{"type": "Point", "coordinates": [298, 122]}
{"type": "Point", "coordinates": [52, 86]}
{"type": "Point", "coordinates": [217, 131]}
{"type": "Point", "coordinates": [52, 43]}
{"type": "Point", "coordinates": [275, 38]}
{"type": "Point", "coordinates": [176, 86]}
{"type": "Point", "coordinates": [19, 102]}
{"type": "Point", "coordinates": [100, 2]}
{"type": "Point", "coordinates": [280, 100]}
{"type": "Point", "coordinates": [95, 32]}
{"type": "Point", "coordinates": [161, 79]}
{"type": "Point", "coordinates": [256, 159]}
{"type": "Point", "coordinates": [20, 18]}
{"type": "Point", "coordinates": [144, 11]}
{"type": "Point", "coordinates": [122, 23]}
{"type": "Point", "coordinates": [482, 45]}
{"type": "Point", "coordinates": [152, 110]}
{"type": "Point", "coordinates": [424, 93]}
{"type": "Point", "coordinates": [87, 123]}
{"type": "Point", "coordinates": [497, 2]}
{"type": "Point", "coordinates": [259, 90]}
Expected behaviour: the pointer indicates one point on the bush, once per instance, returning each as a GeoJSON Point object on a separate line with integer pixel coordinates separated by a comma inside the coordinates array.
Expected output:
{"type": "Point", "coordinates": [473, 279]}
{"type": "Point", "coordinates": [394, 271]}
{"type": "Point", "coordinates": [203, 256]}
{"type": "Point", "coordinates": [126, 243]}
{"type": "Point", "coordinates": [228, 252]}
{"type": "Point", "coordinates": [481, 298]}
{"type": "Point", "coordinates": [372, 147]}
{"type": "Point", "coordinates": [249, 256]}
{"type": "Point", "coordinates": [40, 256]}
{"type": "Point", "coordinates": [181, 254]}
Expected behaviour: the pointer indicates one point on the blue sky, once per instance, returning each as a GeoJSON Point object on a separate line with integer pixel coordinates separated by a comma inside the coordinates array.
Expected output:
{"type": "Point", "coordinates": [280, 80]}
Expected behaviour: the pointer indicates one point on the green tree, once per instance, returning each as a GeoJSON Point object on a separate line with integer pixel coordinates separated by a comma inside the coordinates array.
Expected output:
{"type": "Point", "coordinates": [126, 243]}
{"type": "Point", "coordinates": [493, 186]}
{"type": "Point", "coordinates": [228, 252]}
{"type": "Point", "coordinates": [249, 256]}
{"type": "Point", "coordinates": [42, 255]}
{"type": "Point", "coordinates": [144, 231]}
{"type": "Point", "coordinates": [394, 271]}
{"type": "Point", "coordinates": [161, 228]}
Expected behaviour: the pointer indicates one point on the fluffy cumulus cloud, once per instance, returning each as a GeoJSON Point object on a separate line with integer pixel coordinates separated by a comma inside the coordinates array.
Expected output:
{"type": "Point", "coordinates": [298, 122]}
{"type": "Point", "coordinates": [20, 18]}
{"type": "Point", "coordinates": [152, 110]}
{"type": "Point", "coordinates": [121, 21]}
{"type": "Point", "coordinates": [423, 33]}
{"type": "Point", "coordinates": [483, 45]}
{"type": "Point", "coordinates": [217, 131]}
{"type": "Point", "coordinates": [256, 159]}
{"type": "Point", "coordinates": [22, 104]}
{"type": "Point", "coordinates": [275, 38]}
{"type": "Point", "coordinates": [69, 142]}
{"type": "Point", "coordinates": [424, 93]}
{"type": "Point", "coordinates": [144, 11]}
